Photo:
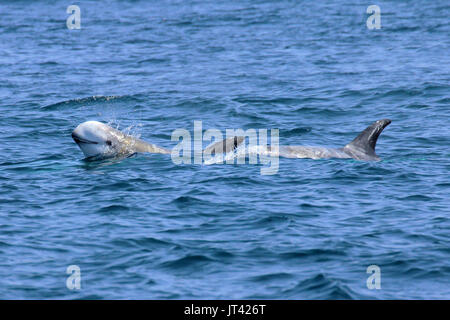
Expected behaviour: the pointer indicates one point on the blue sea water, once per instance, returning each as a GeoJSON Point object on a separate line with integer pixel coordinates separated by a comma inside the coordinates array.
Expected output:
{"type": "Point", "coordinates": [146, 228]}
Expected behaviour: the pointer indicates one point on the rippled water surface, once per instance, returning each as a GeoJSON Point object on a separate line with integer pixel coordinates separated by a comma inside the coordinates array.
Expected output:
{"type": "Point", "coordinates": [146, 228]}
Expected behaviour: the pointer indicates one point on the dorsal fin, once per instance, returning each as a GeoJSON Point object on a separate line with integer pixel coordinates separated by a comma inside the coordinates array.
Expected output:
{"type": "Point", "coordinates": [224, 146]}
{"type": "Point", "coordinates": [366, 141]}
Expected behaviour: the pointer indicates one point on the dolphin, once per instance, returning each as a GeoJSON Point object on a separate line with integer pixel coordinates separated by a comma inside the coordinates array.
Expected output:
{"type": "Point", "coordinates": [361, 148]}
{"type": "Point", "coordinates": [100, 141]}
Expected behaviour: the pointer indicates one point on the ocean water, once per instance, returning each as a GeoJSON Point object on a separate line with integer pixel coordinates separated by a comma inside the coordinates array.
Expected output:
{"type": "Point", "coordinates": [146, 228]}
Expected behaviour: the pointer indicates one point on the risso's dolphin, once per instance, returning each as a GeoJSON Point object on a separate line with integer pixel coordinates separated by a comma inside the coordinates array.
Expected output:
{"type": "Point", "coordinates": [361, 148]}
{"type": "Point", "coordinates": [99, 141]}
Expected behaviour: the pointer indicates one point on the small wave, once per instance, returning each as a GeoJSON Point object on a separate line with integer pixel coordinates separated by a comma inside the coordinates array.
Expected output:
{"type": "Point", "coordinates": [402, 93]}
{"type": "Point", "coordinates": [89, 100]}
{"type": "Point", "coordinates": [272, 277]}
{"type": "Point", "coordinates": [404, 29]}
{"type": "Point", "coordinates": [417, 197]}
{"type": "Point", "coordinates": [241, 153]}
{"type": "Point", "coordinates": [273, 220]}
{"type": "Point", "coordinates": [312, 253]}
{"type": "Point", "coordinates": [187, 262]}
{"type": "Point", "coordinates": [113, 209]}
{"type": "Point", "coordinates": [183, 200]}
{"type": "Point", "coordinates": [154, 60]}
{"type": "Point", "coordinates": [266, 101]}
{"type": "Point", "coordinates": [319, 287]}
{"type": "Point", "coordinates": [144, 242]}
{"type": "Point", "coordinates": [326, 112]}
{"type": "Point", "coordinates": [295, 132]}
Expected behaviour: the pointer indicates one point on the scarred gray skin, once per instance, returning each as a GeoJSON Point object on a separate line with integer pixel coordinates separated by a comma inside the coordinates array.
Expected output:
{"type": "Point", "coordinates": [224, 146]}
{"type": "Point", "coordinates": [361, 148]}
{"type": "Point", "coordinates": [98, 141]}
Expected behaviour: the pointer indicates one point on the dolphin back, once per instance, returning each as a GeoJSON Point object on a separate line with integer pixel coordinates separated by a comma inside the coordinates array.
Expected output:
{"type": "Point", "coordinates": [143, 146]}
{"type": "Point", "coordinates": [224, 146]}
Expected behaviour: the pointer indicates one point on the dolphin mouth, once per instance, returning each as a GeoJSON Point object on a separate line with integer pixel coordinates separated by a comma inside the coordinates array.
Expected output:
{"type": "Point", "coordinates": [78, 139]}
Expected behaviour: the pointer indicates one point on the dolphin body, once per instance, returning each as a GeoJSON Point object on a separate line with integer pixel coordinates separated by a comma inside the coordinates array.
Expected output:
{"type": "Point", "coordinates": [99, 141]}
{"type": "Point", "coordinates": [361, 148]}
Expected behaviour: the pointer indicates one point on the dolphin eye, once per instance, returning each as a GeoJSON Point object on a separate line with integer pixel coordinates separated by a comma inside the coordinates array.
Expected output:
{"type": "Point", "coordinates": [108, 142]}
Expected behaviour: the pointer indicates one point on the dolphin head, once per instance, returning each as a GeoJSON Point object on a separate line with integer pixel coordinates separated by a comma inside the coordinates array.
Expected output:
{"type": "Point", "coordinates": [97, 140]}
